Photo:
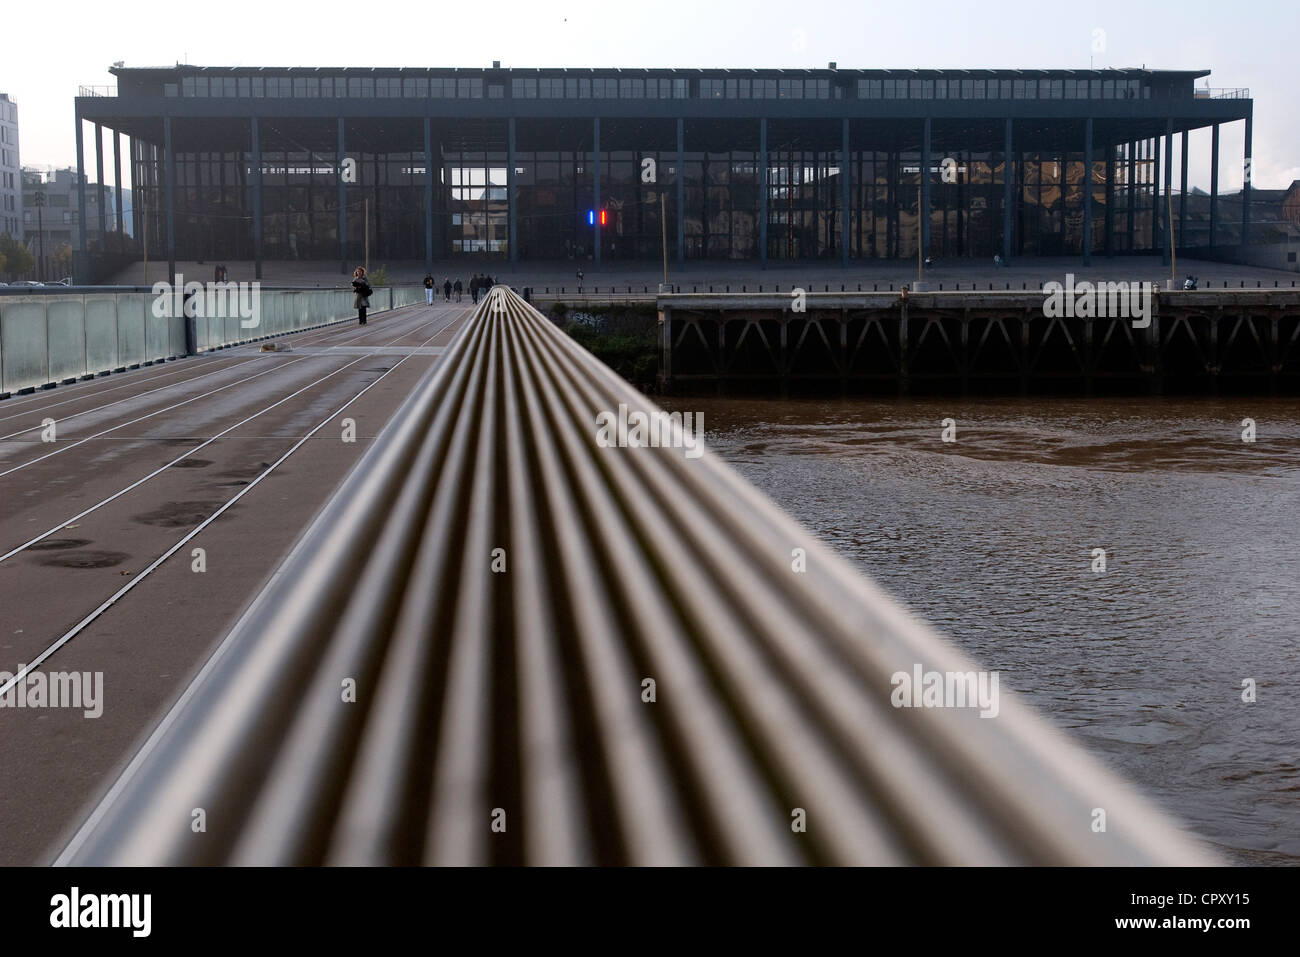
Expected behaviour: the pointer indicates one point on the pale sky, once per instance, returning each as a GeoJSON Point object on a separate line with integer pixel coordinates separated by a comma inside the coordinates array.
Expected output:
{"type": "Point", "coordinates": [1246, 44]}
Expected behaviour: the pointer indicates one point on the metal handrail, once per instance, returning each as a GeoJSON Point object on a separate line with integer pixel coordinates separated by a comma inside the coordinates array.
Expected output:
{"type": "Point", "coordinates": [1223, 93]}
{"type": "Point", "coordinates": [509, 687]}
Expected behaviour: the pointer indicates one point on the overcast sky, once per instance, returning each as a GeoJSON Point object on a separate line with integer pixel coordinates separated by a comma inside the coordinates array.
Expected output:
{"type": "Point", "coordinates": [1248, 43]}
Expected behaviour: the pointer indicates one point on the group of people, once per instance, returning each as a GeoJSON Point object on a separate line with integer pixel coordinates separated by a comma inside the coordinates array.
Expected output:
{"type": "Point", "coordinates": [477, 284]}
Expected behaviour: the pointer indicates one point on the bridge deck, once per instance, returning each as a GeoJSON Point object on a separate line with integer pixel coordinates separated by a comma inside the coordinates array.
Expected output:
{"type": "Point", "coordinates": [568, 652]}
{"type": "Point", "coordinates": [242, 447]}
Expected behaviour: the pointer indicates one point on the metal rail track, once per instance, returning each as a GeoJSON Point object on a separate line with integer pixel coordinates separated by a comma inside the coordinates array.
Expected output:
{"type": "Point", "coordinates": [500, 711]}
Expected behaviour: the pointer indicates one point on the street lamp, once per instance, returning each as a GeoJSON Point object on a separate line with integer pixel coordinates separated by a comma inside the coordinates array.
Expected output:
{"type": "Point", "coordinates": [40, 234]}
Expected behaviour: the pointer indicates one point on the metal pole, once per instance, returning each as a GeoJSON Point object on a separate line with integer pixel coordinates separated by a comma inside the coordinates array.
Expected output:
{"type": "Point", "coordinates": [343, 204]}
{"type": "Point", "coordinates": [117, 185]}
{"type": "Point", "coordinates": [918, 231]}
{"type": "Point", "coordinates": [762, 192]}
{"type": "Point", "coordinates": [595, 178]}
{"type": "Point", "coordinates": [1245, 180]}
{"type": "Point", "coordinates": [81, 190]}
{"type": "Point", "coordinates": [169, 196]}
{"type": "Point", "coordinates": [663, 225]}
{"type": "Point", "coordinates": [681, 191]}
{"type": "Point", "coordinates": [923, 210]}
{"type": "Point", "coordinates": [366, 216]}
{"type": "Point", "coordinates": [428, 195]}
{"type": "Point", "coordinates": [101, 214]}
{"type": "Point", "coordinates": [257, 197]}
{"type": "Point", "coordinates": [511, 205]}
{"type": "Point", "coordinates": [1087, 192]}
{"type": "Point", "coordinates": [846, 192]}
{"type": "Point", "coordinates": [1173, 254]}
{"type": "Point", "coordinates": [1008, 196]}
{"type": "Point", "coordinates": [1169, 184]}
{"type": "Point", "coordinates": [1214, 183]}
{"type": "Point", "coordinates": [1182, 195]}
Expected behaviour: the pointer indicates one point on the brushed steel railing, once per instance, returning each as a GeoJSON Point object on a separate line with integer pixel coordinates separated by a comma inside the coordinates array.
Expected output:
{"type": "Point", "coordinates": [501, 589]}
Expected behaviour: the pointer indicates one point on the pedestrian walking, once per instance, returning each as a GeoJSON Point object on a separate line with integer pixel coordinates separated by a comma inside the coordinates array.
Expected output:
{"type": "Point", "coordinates": [473, 288]}
{"type": "Point", "coordinates": [446, 289]}
{"type": "Point", "coordinates": [457, 287]}
{"type": "Point", "coordinates": [428, 290]}
{"type": "Point", "coordinates": [362, 290]}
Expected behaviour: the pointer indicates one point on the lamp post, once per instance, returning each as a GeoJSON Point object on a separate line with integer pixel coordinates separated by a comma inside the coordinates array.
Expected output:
{"type": "Point", "coordinates": [40, 235]}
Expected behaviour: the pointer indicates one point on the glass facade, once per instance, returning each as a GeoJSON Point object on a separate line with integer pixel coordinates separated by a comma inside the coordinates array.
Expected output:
{"type": "Point", "coordinates": [665, 175]}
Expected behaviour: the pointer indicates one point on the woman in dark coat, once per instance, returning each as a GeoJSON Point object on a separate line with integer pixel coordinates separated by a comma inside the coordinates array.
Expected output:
{"type": "Point", "coordinates": [446, 289]}
{"type": "Point", "coordinates": [362, 298]}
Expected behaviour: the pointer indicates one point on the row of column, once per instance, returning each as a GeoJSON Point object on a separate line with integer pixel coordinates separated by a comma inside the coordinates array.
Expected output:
{"type": "Point", "coordinates": [1160, 220]}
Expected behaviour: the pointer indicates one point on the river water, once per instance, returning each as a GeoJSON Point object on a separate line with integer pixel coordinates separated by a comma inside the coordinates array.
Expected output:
{"type": "Point", "coordinates": [991, 539]}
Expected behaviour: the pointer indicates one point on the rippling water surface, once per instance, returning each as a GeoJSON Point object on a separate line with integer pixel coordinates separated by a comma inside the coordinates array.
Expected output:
{"type": "Point", "coordinates": [990, 538]}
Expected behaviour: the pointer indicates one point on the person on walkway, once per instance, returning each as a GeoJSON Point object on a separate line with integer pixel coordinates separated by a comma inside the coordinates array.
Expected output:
{"type": "Point", "coordinates": [428, 290]}
{"type": "Point", "coordinates": [473, 288]}
{"type": "Point", "coordinates": [457, 287]}
{"type": "Point", "coordinates": [446, 289]}
{"type": "Point", "coordinates": [362, 290]}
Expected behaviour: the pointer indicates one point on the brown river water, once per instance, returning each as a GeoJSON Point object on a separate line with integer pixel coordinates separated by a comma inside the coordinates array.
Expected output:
{"type": "Point", "coordinates": [991, 538]}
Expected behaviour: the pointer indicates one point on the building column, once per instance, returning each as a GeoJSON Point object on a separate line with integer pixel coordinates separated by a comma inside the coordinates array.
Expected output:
{"type": "Point", "coordinates": [81, 190]}
{"type": "Point", "coordinates": [1157, 199]}
{"type": "Point", "coordinates": [846, 192]}
{"type": "Point", "coordinates": [1130, 149]}
{"type": "Point", "coordinates": [257, 197]}
{"type": "Point", "coordinates": [1245, 180]}
{"type": "Point", "coordinates": [343, 202]}
{"type": "Point", "coordinates": [1166, 205]}
{"type": "Point", "coordinates": [1008, 194]}
{"type": "Point", "coordinates": [1087, 191]}
{"type": "Point", "coordinates": [595, 179]}
{"type": "Point", "coordinates": [511, 204]}
{"type": "Point", "coordinates": [1109, 214]}
{"type": "Point", "coordinates": [762, 192]}
{"type": "Point", "coordinates": [102, 212]}
{"type": "Point", "coordinates": [1214, 183]}
{"type": "Point", "coordinates": [117, 189]}
{"type": "Point", "coordinates": [681, 191]}
{"type": "Point", "coordinates": [923, 213]}
{"type": "Point", "coordinates": [133, 157]}
{"type": "Point", "coordinates": [428, 194]}
{"type": "Point", "coordinates": [169, 172]}
{"type": "Point", "coordinates": [1182, 196]}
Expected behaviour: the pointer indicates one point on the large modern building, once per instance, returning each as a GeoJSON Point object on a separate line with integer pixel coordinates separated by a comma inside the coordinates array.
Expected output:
{"type": "Point", "coordinates": [11, 177]}
{"type": "Point", "coordinates": [619, 165]}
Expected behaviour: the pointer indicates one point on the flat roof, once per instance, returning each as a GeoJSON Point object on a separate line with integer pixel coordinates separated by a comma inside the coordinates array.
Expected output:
{"type": "Point", "coordinates": [183, 69]}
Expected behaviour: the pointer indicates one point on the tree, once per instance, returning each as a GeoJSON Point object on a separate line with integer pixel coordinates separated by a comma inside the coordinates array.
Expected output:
{"type": "Point", "coordinates": [63, 260]}
{"type": "Point", "coordinates": [17, 260]}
